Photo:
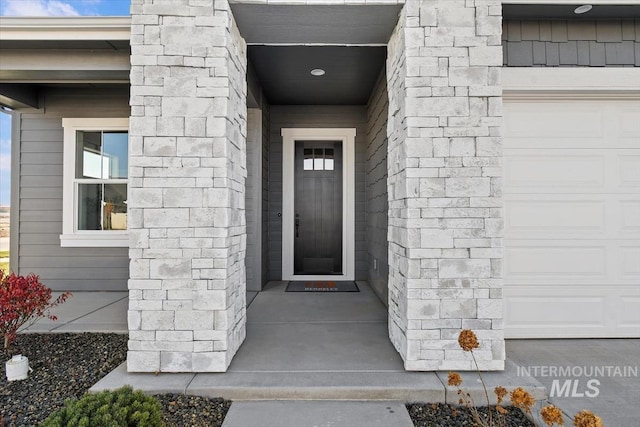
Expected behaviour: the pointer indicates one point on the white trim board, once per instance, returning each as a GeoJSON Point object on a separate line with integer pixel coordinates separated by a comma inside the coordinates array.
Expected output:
{"type": "Point", "coordinates": [570, 80]}
{"type": "Point", "coordinates": [65, 28]}
{"type": "Point", "coordinates": [289, 137]}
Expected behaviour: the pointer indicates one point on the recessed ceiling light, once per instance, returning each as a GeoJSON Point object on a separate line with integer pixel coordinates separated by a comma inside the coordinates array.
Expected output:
{"type": "Point", "coordinates": [317, 72]}
{"type": "Point", "coordinates": [583, 9]}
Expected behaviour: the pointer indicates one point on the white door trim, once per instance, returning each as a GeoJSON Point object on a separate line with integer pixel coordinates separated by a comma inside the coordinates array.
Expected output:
{"type": "Point", "coordinates": [289, 137]}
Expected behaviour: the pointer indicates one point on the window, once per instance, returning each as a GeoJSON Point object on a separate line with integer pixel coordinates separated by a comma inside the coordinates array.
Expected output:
{"type": "Point", "coordinates": [95, 182]}
{"type": "Point", "coordinates": [318, 159]}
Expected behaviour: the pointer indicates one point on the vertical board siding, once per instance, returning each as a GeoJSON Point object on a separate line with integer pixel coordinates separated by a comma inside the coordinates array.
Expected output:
{"type": "Point", "coordinates": [376, 190]}
{"type": "Point", "coordinates": [318, 116]}
{"type": "Point", "coordinates": [40, 209]}
{"type": "Point", "coordinates": [614, 43]}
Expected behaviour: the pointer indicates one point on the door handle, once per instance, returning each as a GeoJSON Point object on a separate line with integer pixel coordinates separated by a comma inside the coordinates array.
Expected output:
{"type": "Point", "coordinates": [297, 225]}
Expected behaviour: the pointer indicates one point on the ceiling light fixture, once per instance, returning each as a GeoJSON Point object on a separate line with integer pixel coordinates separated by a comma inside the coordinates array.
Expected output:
{"type": "Point", "coordinates": [317, 72]}
{"type": "Point", "coordinates": [583, 9]}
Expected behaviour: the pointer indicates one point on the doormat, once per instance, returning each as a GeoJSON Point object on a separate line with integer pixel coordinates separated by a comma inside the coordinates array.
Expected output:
{"type": "Point", "coordinates": [322, 286]}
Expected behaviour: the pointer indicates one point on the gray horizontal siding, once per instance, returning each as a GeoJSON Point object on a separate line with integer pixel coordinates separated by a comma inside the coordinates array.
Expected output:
{"type": "Point", "coordinates": [571, 43]}
{"type": "Point", "coordinates": [40, 199]}
{"type": "Point", "coordinates": [326, 116]}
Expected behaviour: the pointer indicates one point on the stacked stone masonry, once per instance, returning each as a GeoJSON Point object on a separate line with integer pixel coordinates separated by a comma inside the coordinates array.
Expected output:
{"type": "Point", "coordinates": [187, 185]}
{"type": "Point", "coordinates": [444, 185]}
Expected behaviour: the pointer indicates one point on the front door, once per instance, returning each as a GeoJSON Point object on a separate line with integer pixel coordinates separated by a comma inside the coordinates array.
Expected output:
{"type": "Point", "coordinates": [318, 204]}
{"type": "Point", "coordinates": [317, 244]}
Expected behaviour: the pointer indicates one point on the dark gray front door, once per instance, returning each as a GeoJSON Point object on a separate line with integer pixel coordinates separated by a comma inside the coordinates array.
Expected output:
{"type": "Point", "coordinates": [318, 208]}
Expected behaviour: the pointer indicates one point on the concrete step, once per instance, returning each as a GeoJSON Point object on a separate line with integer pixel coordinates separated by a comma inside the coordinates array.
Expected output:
{"type": "Point", "coordinates": [364, 385]}
{"type": "Point", "coordinates": [317, 414]}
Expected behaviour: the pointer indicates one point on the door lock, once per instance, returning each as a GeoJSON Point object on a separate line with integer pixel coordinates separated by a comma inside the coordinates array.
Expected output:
{"type": "Point", "coordinates": [297, 225]}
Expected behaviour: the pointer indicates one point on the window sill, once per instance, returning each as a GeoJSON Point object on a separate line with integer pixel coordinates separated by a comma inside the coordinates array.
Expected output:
{"type": "Point", "coordinates": [120, 240]}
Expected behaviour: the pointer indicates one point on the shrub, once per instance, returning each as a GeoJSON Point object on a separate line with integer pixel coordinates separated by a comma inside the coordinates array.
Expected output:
{"type": "Point", "coordinates": [23, 300]}
{"type": "Point", "coordinates": [118, 408]}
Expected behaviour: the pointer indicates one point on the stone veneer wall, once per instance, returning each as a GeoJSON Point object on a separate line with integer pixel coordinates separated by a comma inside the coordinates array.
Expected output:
{"type": "Point", "coordinates": [187, 166]}
{"type": "Point", "coordinates": [444, 185]}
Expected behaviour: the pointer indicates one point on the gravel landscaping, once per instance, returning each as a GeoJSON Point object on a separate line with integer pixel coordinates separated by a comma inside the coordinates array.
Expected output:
{"type": "Point", "coordinates": [441, 415]}
{"type": "Point", "coordinates": [67, 365]}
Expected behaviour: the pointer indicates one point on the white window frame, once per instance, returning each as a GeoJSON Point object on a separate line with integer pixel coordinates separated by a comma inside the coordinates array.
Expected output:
{"type": "Point", "coordinates": [289, 138]}
{"type": "Point", "coordinates": [71, 236]}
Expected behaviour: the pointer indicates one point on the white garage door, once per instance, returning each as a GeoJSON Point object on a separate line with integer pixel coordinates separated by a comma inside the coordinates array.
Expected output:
{"type": "Point", "coordinates": [572, 218]}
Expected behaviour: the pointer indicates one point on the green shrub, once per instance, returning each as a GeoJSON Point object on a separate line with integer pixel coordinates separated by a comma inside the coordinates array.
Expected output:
{"type": "Point", "coordinates": [119, 408]}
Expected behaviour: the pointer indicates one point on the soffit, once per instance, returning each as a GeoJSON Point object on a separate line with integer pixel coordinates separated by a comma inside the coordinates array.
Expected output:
{"type": "Point", "coordinates": [284, 73]}
{"type": "Point", "coordinates": [307, 24]}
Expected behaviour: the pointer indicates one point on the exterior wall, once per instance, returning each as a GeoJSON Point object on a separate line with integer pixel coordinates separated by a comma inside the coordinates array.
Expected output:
{"type": "Point", "coordinates": [257, 196]}
{"type": "Point", "coordinates": [376, 190]}
{"type": "Point", "coordinates": [315, 116]}
{"type": "Point", "coordinates": [266, 134]}
{"type": "Point", "coordinates": [187, 308]}
{"type": "Point", "coordinates": [38, 224]}
{"type": "Point", "coordinates": [571, 43]}
{"type": "Point", "coordinates": [253, 200]}
{"type": "Point", "coordinates": [444, 186]}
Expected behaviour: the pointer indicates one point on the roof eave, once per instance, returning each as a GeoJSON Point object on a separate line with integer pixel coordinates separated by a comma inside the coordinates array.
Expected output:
{"type": "Point", "coordinates": [66, 28]}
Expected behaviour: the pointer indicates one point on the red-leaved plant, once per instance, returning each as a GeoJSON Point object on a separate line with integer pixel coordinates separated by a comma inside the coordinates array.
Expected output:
{"type": "Point", "coordinates": [23, 301]}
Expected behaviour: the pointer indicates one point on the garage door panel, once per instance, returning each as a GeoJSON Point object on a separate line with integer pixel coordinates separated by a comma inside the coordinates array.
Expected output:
{"type": "Point", "coordinates": [552, 120]}
{"type": "Point", "coordinates": [561, 216]}
{"type": "Point", "coordinates": [577, 124]}
{"type": "Point", "coordinates": [576, 171]}
{"type": "Point", "coordinates": [630, 263]}
{"type": "Point", "coordinates": [585, 262]}
{"type": "Point", "coordinates": [557, 171]}
{"type": "Point", "coordinates": [572, 218]}
{"type": "Point", "coordinates": [626, 120]}
{"type": "Point", "coordinates": [555, 261]}
{"type": "Point", "coordinates": [630, 313]}
{"type": "Point", "coordinates": [629, 171]}
{"type": "Point", "coordinates": [572, 311]}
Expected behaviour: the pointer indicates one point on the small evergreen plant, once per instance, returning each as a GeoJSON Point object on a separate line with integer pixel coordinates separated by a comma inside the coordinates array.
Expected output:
{"type": "Point", "coordinates": [118, 408]}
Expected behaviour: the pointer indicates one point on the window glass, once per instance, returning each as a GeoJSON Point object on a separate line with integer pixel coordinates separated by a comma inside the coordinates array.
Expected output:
{"type": "Point", "coordinates": [308, 159]}
{"type": "Point", "coordinates": [115, 155]}
{"type": "Point", "coordinates": [102, 155]}
{"type": "Point", "coordinates": [328, 159]}
{"type": "Point", "coordinates": [102, 206]}
{"type": "Point", "coordinates": [89, 200]}
{"type": "Point", "coordinates": [318, 159]}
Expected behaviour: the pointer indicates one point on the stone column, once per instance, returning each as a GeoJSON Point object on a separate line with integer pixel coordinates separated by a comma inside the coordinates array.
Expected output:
{"type": "Point", "coordinates": [444, 185]}
{"type": "Point", "coordinates": [187, 170]}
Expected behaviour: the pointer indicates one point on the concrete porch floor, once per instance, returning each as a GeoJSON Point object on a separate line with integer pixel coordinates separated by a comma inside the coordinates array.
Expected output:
{"type": "Point", "coordinates": [317, 346]}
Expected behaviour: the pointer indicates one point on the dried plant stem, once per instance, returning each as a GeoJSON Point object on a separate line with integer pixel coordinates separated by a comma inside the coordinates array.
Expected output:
{"type": "Point", "coordinates": [484, 386]}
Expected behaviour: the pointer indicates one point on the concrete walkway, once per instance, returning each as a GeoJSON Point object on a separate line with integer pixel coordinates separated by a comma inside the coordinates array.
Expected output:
{"type": "Point", "coordinates": [614, 396]}
{"type": "Point", "coordinates": [88, 312]}
{"type": "Point", "coordinates": [333, 348]}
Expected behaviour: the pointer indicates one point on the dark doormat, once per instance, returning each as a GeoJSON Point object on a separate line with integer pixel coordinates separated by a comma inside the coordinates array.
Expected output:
{"type": "Point", "coordinates": [322, 286]}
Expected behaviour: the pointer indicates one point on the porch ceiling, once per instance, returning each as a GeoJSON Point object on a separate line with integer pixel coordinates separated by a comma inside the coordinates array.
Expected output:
{"type": "Point", "coordinates": [284, 73]}
{"type": "Point", "coordinates": [307, 24]}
